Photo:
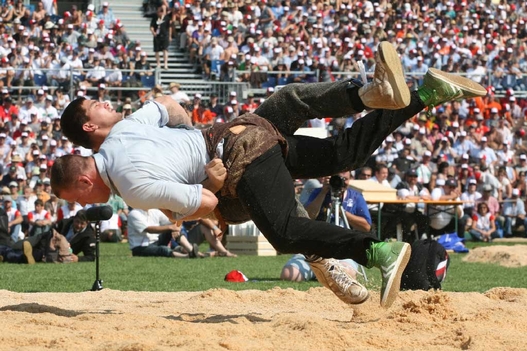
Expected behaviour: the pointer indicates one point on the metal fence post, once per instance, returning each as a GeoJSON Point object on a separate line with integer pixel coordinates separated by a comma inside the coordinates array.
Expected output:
{"type": "Point", "coordinates": [72, 88]}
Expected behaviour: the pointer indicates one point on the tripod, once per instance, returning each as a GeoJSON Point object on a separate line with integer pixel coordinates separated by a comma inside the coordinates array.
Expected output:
{"type": "Point", "coordinates": [339, 213]}
{"type": "Point", "coordinates": [97, 285]}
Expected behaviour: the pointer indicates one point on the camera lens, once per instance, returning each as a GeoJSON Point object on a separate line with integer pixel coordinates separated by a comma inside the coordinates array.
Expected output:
{"type": "Point", "coordinates": [336, 182]}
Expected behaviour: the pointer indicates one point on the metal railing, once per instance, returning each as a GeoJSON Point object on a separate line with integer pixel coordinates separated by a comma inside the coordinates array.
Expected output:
{"type": "Point", "coordinates": [70, 79]}
{"type": "Point", "coordinates": [205, 87]}
{"type": "Point", "coordinates": [519, 86]}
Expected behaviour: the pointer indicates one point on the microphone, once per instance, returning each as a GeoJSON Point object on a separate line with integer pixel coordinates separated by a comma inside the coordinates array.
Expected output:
{"type": "Point", "coordinates": [99, 213]}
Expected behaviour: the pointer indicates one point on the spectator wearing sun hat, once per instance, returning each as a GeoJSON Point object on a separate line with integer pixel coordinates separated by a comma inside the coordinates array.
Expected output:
{"type": "Point", "coordinates": [127, 110]}
{"type": "Point", "coordinates": [179, 96]}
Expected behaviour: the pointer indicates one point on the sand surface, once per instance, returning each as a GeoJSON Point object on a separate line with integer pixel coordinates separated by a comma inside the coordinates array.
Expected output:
{"type": "Point", "coordinates": [276, 319]}
{"type": "Point", "coordinates": [507, 256]}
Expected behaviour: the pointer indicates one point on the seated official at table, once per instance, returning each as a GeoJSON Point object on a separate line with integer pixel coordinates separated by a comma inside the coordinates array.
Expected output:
{"type": "Point", "coordinates": [357, 214]}
{"type": "Point", "coordinates": [442, 217]}
{"type": "Point", "coordinates": [412, 214]}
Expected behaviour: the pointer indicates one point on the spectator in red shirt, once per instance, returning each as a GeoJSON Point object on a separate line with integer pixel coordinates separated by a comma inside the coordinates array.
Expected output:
{"type": "Point", "coordinates": [201, 116]}
{"type": "Point", "coordinates": [68, 210]}
{"type": "Point", "coordinates": [39, 219]}
{"type": "Point", "coordinates": [14, 218]}
{"type": "Point", "coordinates": [8, 110]}
{"type": "Point", "coordinates": [250, 106]}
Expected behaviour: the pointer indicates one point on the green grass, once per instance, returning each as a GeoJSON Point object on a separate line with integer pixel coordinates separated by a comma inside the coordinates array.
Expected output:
{"type": "Point", "coordinates": [120, 271]}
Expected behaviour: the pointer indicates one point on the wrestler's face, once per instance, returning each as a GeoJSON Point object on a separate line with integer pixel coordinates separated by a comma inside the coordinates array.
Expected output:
{"type": "Point", "coordinates": [101, 114]}
{"type": "Point", "coordinates": [85, 192]}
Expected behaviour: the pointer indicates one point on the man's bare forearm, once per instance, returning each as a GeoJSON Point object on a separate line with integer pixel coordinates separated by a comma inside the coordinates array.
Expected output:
{"type": "Point", "coordinates": [209, 185]}
{"type": "Point", "coordinates": [176, 113]}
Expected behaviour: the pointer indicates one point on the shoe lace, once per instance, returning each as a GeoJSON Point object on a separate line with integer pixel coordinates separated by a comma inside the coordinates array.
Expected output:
{"type": "Point", "coordinates": [362, 71]}
{"type": "Point", "coordinates": [341, 278]}
{"type": "Point", "coordinates": [312, 258]}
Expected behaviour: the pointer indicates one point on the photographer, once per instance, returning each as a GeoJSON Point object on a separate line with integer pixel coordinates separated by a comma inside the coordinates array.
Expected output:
{"type": "Point", "coordinates": [80, 234]}
{"type": "Point", "coordinates": [352, 201]}
{"type": "Point", "coordinates": [357, 214]}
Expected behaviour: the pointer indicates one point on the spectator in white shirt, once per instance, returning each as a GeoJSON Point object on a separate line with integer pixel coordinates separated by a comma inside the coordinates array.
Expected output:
{"type": "Point", "coordinates": [96, 75]}
{"type": "Point", "coordinates": [150, 232]}
{"type": "Point", "coordinates": [470, 197]}
{"type": "Point", "coordinates": [49, 112]}
{"type": "Point", "coordinates": [442, 219]}
{"type": "Point", "coordinates": [514, 213]}
{"type": "Point", "coordinates": [381, 175]}
{"type": "Point", "coordinates": [27, 110]}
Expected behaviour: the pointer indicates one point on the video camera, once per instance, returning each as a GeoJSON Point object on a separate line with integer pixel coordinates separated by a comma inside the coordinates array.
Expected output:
{"type": "Point", "coordinates": [337, 185]}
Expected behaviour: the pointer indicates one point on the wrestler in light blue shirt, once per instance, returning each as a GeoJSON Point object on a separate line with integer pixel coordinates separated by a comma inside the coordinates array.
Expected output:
{"type": "Point", "coordinates": [130, 163]}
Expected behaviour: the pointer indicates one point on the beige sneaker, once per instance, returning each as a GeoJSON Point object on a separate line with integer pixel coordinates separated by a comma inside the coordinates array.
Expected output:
{"type": "Point", "coordinates": [388, 90]}
{"type": "Point", "coordinates": [28, 252]}
{"type": "Point", "coordinates": [333, 276]}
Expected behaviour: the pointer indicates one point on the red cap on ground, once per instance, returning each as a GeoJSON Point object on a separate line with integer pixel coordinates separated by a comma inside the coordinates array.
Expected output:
{"type": "Point", "coordinates": [236, 276]}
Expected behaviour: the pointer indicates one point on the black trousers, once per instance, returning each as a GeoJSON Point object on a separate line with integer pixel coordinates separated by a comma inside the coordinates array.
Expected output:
{"type": "Point", "coordinates": [266, 188]}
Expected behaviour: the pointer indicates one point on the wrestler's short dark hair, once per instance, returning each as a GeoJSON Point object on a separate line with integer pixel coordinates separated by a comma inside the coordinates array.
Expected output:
{"type": "Point", "coordinates": [65, 171]}
{"type": "Point", "coordinates": [71, 122]}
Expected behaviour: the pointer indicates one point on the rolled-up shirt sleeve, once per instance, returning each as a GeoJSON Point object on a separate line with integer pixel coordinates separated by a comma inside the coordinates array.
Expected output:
{"type": "Point", "coordinates": [152, 113]}
{"type": "Point", "coordinates": [181, 199]}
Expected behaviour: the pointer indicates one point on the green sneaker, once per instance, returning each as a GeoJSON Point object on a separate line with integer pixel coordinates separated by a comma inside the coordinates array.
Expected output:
{"type": "Point", "coordinates": [440, 87]}
{"type": "Point", "coordinates": [391, 258]}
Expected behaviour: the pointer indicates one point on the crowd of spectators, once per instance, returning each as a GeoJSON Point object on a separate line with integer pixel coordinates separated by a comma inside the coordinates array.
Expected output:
{"type": "Point", "coordinates": [42, 52]}
{"type": "Point", "coordinates": [41, 49]}
{"type": "Point", "coordinates": [476, 147]}
{"type": "Point", "coordinates": [322, 40]}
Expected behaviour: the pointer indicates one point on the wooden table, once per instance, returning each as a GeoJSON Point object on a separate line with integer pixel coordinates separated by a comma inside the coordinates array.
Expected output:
{"type": "Point", "coordinates": [379, 203]}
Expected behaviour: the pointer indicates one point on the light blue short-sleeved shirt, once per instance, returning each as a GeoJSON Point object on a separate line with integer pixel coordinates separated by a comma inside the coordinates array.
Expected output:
{"type": "Point", "coordinates": [153, 166]}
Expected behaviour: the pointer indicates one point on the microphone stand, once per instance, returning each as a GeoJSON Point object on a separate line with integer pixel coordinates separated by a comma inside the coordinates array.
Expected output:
{"type": "Point", "coordinates": [97, 285]}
